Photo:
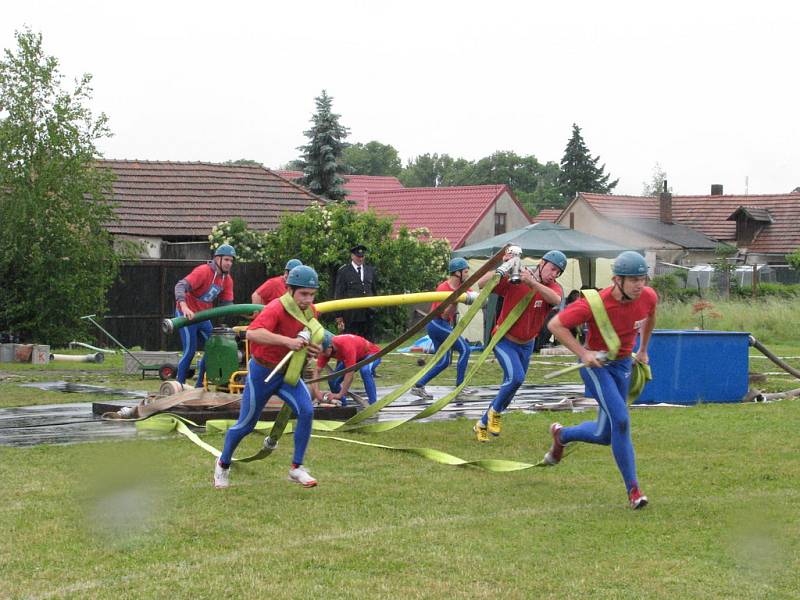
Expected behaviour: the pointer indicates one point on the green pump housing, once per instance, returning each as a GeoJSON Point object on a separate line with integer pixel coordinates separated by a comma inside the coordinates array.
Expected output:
{"type": "Point", "coordinates": [222, 356]}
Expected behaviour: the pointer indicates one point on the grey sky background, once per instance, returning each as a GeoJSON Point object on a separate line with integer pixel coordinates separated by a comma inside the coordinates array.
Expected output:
{"type": "Point", "coordinates": [707, 89]}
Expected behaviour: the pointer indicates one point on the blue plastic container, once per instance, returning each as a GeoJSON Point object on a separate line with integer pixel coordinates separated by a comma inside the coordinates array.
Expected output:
{"type": "Point", "coordinates": [697, 366]}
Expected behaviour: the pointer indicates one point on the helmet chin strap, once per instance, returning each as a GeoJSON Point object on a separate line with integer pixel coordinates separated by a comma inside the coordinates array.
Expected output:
{"type": "Point", "coordinates": [621, 289]}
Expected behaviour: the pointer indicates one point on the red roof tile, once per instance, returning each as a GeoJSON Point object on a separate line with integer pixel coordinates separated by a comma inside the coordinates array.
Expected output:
{"type": "Point", "coordinates": [356, 186]}
{"type": "Point", "coordinates": [181, 199]}
{"type": "Point", "coordinates": [709, 214]}
{"type": "Point", "coordinates": [548, 214]}
{"type": "Point", "coordinates": [449, 213]}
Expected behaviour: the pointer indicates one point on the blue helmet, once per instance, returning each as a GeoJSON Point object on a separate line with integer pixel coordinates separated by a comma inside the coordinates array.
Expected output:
{"type": "Point", "coordinates": [457, 264]}
{"type": "Point", "coordinates": [327, 341]}
{"type": "Point", "coordinates": [557, 258]}
{"type": "Point", "coordinates": [629, 264]}
{"type": "Point", "coordinates": [225, 250]}
{"type": "Point", "coordinates": [292, 264]}
{"type": "Point", "coordinates": [304, 277]}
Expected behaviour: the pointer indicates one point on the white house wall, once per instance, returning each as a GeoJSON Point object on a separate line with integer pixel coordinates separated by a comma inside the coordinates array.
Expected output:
{"type": "Point", "coordinates": [515, 219]}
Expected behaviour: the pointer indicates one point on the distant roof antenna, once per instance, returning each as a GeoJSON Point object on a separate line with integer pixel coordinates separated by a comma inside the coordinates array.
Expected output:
{"type": "Point", "coordinates": [746, 184]}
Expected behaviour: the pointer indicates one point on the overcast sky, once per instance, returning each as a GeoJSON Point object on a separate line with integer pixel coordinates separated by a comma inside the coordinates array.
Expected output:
{"type": "Point", "coordinates": [707, 89]}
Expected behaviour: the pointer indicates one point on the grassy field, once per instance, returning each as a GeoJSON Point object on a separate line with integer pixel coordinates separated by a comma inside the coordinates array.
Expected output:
{"type": "Point", "coordinates": [140, 519]}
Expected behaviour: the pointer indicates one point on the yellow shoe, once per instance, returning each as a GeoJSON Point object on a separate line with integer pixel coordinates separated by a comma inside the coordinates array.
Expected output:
{"type": "Point", "coordinates": [481, 433]}
{"type": "Point", "coordinates": [494, 422]}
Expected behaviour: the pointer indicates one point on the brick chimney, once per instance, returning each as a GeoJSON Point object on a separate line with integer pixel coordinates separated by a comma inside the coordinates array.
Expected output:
{"type": "Point", "coordinates": [665, 206]}
{"type": "Point", "coordinates": [716, 189]}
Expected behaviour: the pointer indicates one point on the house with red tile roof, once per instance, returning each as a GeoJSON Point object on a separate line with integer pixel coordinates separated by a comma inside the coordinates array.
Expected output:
{"type": "Point", "coordinates": [356, 186]}
{"type": "Point", "coordinates": [547, 215]}
{"type": "Point", "coordinates": [461, 215]}
{"type": "Point", "coordinates": [686, 229]}
{"type": "Point", "coordinates": [164, 203]}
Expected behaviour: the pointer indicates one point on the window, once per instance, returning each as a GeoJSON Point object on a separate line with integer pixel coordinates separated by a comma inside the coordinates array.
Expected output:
{"type": "Point", "coordinates": [499, 223]}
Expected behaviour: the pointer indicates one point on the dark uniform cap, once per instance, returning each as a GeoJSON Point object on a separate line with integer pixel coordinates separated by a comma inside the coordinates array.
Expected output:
{"type": "Point", "coordinates": [358, 250]}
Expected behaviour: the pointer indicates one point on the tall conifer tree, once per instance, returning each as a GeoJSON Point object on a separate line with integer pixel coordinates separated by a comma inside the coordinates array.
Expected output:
{"type": "Point", "coordinates": [579, 171]}
{"type": "Point", "coordinates": [321, 159]}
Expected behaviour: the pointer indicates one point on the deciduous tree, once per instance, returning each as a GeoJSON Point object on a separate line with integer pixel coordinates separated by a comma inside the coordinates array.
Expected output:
{"type": "Point", "coordinates": [56, 257]}
{"type": "Point", "coordinates": [372, 158]}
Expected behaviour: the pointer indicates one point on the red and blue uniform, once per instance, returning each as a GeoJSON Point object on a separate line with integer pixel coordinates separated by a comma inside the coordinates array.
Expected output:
{"type": "Point", "coordinates": [272, 288]}
{"type": "Point", "coordinates": [264, 358]}
{"type": "Point", "coordinates": [200, 289]}
{"type": "Point", "coordinates": [349, 349]}
{"type": "Point", "coordinates": [609, 384]}
{"type": "Point", "coordinates": [513, 352]}
{"type": "Point", "coordinates": [438, 330]}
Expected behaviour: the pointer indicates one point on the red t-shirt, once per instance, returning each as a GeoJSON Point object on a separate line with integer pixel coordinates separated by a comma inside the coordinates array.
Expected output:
{"type": "Point", "coordinates": [273, 317]}
{"type": "Point", "coordinates": [530, 321]}
{"type": "Point", "coordinates": [272, 288]}
{"type": "Point", "coordinates": [445, 287]}
{"type": "Point", "coordinates": [627, 318]}
{"type": "Point", "coordinates": [207, 285]}
{"type": "Point", "coordinates": [349, 349]}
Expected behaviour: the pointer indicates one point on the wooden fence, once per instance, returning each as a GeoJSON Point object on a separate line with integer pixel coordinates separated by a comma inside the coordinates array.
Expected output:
{"type": "Point", "coordinates": [144, 296]}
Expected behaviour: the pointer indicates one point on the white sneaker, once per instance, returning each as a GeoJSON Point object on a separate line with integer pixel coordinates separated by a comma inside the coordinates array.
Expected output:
{"type": "Point", "coordinates": [420, 392]}
{"type": "Point", "coordinates": [221, 476]}
{"type": "Point", "coordinates": [469, 391]}
{"type": "Point", "coordinates": [300, 475]}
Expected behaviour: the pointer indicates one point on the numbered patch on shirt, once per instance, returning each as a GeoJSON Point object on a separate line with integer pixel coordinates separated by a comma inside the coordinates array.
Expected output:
{"type": "Point", "coordinates": [211, 294]}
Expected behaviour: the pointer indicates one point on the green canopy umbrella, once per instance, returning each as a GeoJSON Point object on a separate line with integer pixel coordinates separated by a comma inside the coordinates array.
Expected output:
{"type": "Point", "coordinates": [538, 238]}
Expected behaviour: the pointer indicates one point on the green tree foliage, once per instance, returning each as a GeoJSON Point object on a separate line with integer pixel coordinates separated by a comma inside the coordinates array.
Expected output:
{"type": "Point", "coordinates": [534, 184]}
{"type": "Point", "coordinates": [372, 158]}
{"type": "Point", "coordinates": [656, 184]}
{"type": "Point", "coordinates": [56, 258]}
{"type": "Point", "coordinates": [794, 259]}
{"type": "Point", "coordinates": [321, 159]}
{"type": "Point", "coordinates": [579, 171]}
{"type": "Point", "coordinates": [243, 162]}
{"type": "Point", "coordinates": [322, 236]}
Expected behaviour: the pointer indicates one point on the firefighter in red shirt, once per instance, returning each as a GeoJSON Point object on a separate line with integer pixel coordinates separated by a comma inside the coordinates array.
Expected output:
{"type": "Point", "coordinates": [513, 352]}
{"type": "Point", "coordinates": [197, 292]}
{"type": "Point", "coordinates": [348, 349]}
{"type": "Point", "coordinates": [274, 287]}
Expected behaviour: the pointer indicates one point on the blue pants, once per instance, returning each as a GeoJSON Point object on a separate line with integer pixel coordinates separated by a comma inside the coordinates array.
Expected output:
{"type": "Point", "coordinates": [438, 330]}
{"type": "Point", "coordinates": [256, 394]}
{"type": "Point", "coordinates": [190, 336]}
{"type": "Point", "coordinates": [367, 376]}
{"type": "Point", "coordinates": [609, 386]}
{"type": "Point", "coordinates": [514, 359]}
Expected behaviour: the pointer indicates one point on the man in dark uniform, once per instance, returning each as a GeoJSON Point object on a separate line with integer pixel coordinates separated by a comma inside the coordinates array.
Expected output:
{"type": "Point", "coordinates": [356, 280]}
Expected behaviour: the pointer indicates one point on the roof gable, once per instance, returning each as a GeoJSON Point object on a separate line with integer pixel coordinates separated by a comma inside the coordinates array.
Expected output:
{"type": "Point", "coordinates": [183, 199]}
{"type": "Point", "coordinates": [755, 214]}
{"type": "Point", "coordinates": [449, 213]}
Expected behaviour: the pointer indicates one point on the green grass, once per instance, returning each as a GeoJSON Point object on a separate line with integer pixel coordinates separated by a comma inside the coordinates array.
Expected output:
{"type": "Point", "coordinates": [723, 520]}
{"type": "Point", "coordinates": [771, 320]}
